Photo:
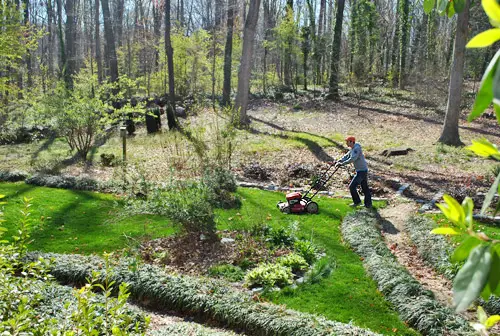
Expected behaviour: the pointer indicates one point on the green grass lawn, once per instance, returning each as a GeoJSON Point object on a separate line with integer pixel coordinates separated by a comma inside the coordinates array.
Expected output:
{"type": "Point", "coordinates": [77, 221]}
{"type": "Point", "coordinates": [347, 294]}
{"type": "Point", "coordinates": [86, 222]}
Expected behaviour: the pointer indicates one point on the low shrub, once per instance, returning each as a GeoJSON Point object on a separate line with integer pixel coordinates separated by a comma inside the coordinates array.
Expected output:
{"type": "Point", "coordinates": [108, 160]}
{"type": "Point", "coordinates": [306, 250]}
{"type": "Point", "coordinates": [205, 298]}
{"type": "Point", "coordinates": [293, 261]}
{"type": "Point", "coordinates": [222, 185]}
{"type": "Point", "coordinates": [281, 237]}
{"type": "Point", "coordinates": [415, 305]}
{"type": "Point", "coordinates": [64, 182]}
{"type": "Point", "coordinates": [189, 328]}
{"type": "Point", "coordinates": [13, 176]}
{"type": "Point", "coordinates": [269, 275]}
{"type": "Point", "coordinates": [320, 270]}
{"type": "Point", "coordinates": [186, 203]}
{"type": "Point", "coordinates": [227, 271]}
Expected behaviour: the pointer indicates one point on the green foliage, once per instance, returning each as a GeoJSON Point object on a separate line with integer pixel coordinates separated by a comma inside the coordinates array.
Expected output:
{"type": "Point", "coordinates": [186, 203]}
{"type": "Point", "coordinates": [434, 249]}
{"type": "Point", "coordinates": [64, 182]}
{"type": "Point", "coordinates": [320, 270]}
{"type": "Point", "coordinates": [229, 272]}
{"type": "Point", "coordinates": [206, 298]}
{"type": "Point", "coordinates": [293, 261]}
{"type": "Point", "coordinates": [269, 275]}
{"type": "Point", "coordinates": [306, 250]}
{"type": "Point", "coordinates": [188, 328]}
{"type": "Point", "coordinates": [415, 305]}
{"type": "Point", "coordinates": [222, 185]}
{"type": "Point", "coordinates": [281, 237]}
{"type": "Point", "coordinates": [479, 275]}
{"type": "Point", "coordinates": [27, 308]}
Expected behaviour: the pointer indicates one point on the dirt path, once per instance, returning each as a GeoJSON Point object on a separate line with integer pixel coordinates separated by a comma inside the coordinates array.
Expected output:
{"type": "Point", "coordinates": [400, 244]}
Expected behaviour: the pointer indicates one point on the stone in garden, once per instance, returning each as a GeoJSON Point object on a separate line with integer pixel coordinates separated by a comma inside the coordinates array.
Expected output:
{"type": "Point", "coordinates": [227, 240]}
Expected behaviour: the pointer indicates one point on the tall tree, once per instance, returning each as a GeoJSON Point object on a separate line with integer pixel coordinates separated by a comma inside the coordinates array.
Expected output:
{"type": "Point", "coordinates": [403, 45]}
{"type": "Point", "coordinates": [110, 49]}
{"type": "Point", "coordinates": [395, 47]}
{"type": "Point", "coordinates": [241, 102]}
{"type": "Point", "coordinates": [70, 34]}
{"type": "Point", "coordinates": [337, 40]}
{"type": "Point", "coordinates": [169, 51]}
{"type": "Point", "coordinates": [118, 21]}
{"type": "Point", "coordinates": [288, 44]}
{"type": "Point", "coordinates": [449, 134]}
{"type": "Point", "coordinates": [97, 39]}
{"type": "Point", "coordinates": [62, 51]}
{"type": "Point", "coordinates": [228, 52]}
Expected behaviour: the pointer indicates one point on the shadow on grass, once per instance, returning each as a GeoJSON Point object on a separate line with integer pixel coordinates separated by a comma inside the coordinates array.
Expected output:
{"type": "Point", "coordinates": [43, 147]}
{"type": "Point", "coordinates": [313, 146]}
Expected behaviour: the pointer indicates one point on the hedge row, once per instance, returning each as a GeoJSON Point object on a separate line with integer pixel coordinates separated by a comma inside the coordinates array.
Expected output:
{"type": "Point", "coordinates": [55, 181]}
{"type": "Point", "coordinates": [202, 298]}
{"type": "Point", "coordinates": [415, 305]}
{"type": "Point", "coordinates": [187, 328]}
{"type": "Point", "coordinates": [436, 251]}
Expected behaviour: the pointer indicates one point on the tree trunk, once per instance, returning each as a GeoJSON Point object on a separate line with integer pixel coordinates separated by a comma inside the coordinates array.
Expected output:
{"type": "Point", "coordinates": [403, 42]}
{"type": "Point", "coordinates": [51, 31]}
{"type": "Point", "coordinates": [157, 32]}
{"type": "Point", "coordinates": [228, 52]}
{"type": "Point", "coordinates": [288, 51]}
{"type": "Point", "coordinates": [337, 41]}
{"type": "Point", "coordinates": [97, 34]}
{"type": "Point", "coordinates": [395, 47]}
{"type": "Point", "coordinates": [169, 51]}
{"type": "Point", "coordinates": [241, 102]}
{"type": "Point", "coordinates": [118, 21]}
{"type": "Point", "coordinates": [62, 61]}
{"type": "Point", "coordinates": [110, 42]}
{"type": "Point", "coordinates": [449, 135]}
{"type": "Point", "coordinates": [70, 66]}
{"type": "Point", "coordinates": [28, 60]}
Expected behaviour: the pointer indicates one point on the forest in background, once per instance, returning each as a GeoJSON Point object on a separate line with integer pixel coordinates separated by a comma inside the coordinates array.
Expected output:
{"type": "Point", "coordinates": [119, 49]}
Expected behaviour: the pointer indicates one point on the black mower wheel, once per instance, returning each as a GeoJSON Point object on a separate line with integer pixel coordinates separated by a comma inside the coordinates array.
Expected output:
{"type": "Point", "coordinates": [286, 210]}
{"type": "Point", "coordinates": [312, 207]}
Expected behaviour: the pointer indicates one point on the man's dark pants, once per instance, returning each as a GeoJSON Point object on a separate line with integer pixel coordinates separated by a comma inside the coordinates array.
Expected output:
{"type": "Point", "coordinates": [361, 177]}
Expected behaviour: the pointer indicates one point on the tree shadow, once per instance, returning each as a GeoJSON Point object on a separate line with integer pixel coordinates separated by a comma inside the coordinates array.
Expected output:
{"type": "Point", "coordinates": [43, 147]}
{"type": "Point", "coordinates": [313, 146]}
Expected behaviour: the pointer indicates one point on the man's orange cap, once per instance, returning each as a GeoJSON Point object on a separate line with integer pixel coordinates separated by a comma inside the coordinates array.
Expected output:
{"type": "Point", "coordinates": [350, 138]}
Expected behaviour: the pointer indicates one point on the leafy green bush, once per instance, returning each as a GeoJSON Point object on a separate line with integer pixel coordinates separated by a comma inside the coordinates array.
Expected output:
{"type": "Point", "coordinates": [306, 250]}
{"type": "Point", "coordinates": [281, 237]}
{"type": "Point", "coordinates": [227, 271]}
{"type": "Point", "coordinates": [293, 261]}
{"type": "Point", "coordinates": [222, 184]}
{"type": "Point", "coordinates": [414, 304]}
{"type": "Point", "coordinates": [13, 176]}
{"type": "Point", "coordinates": [186, 203]}
{"type": "Point", "coordinates": [269, 275]}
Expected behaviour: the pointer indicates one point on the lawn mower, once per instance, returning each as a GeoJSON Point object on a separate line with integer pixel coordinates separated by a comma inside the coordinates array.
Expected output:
{"type": "Point", "coordinates": [298, 203]}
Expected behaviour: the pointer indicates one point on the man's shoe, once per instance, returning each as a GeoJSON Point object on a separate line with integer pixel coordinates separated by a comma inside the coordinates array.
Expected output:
{"type": "Point", "coordinates": [354, 205]}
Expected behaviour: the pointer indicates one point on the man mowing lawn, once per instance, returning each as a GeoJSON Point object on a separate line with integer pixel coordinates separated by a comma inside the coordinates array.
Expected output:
{"type": "Point", "coordinates": [356, 157]}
